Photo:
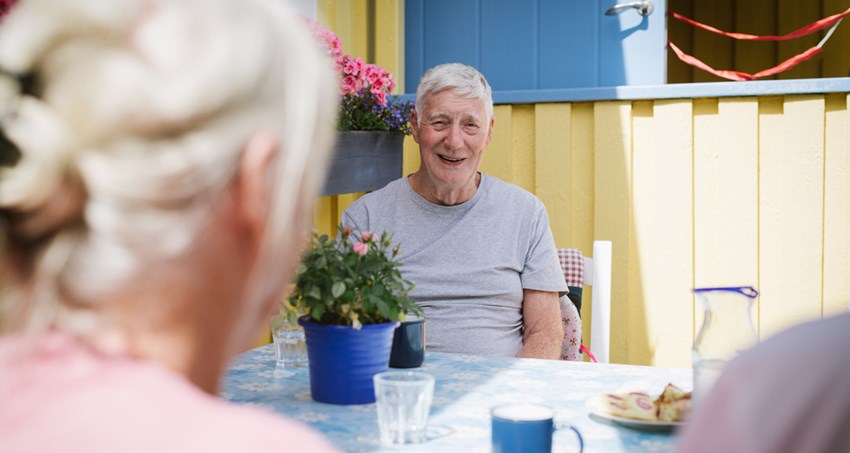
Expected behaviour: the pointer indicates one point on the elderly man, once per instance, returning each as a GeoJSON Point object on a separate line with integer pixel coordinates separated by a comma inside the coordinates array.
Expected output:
{"type": "Point", "coordinates": [479, 250]}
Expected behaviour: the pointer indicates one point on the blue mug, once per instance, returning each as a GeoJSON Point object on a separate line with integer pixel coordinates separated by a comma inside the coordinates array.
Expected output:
{"type": "Point", "coordinates": [526, 428]}
{"type": "Point", "coordinates": [408, 349]}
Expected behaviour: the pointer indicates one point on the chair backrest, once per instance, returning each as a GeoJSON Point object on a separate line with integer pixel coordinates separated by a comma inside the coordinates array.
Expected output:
{"type": "Point", "coordinates": [596, 273]}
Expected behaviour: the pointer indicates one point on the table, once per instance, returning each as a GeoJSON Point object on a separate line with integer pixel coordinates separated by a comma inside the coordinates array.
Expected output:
{"type": "Point", "coordinates": [467, 387]}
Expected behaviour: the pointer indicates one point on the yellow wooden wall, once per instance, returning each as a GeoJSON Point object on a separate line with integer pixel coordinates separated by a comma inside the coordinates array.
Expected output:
{"type": "Point", "coordinates": [692, 192]}
{"type": "Point", "coordinates": [759, 17]}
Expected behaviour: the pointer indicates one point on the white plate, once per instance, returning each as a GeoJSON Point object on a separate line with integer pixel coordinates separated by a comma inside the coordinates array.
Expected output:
{"type": "Point", "coordinates": [645, 425]}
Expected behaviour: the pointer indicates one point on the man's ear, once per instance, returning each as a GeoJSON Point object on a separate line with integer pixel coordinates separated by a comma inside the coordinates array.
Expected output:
{"type": "Point", "coordinates": [490, 130]}
{"type": "Point", "coordinates": [254, 183]}
{"type": "Point", "coordinates": [414, 125]}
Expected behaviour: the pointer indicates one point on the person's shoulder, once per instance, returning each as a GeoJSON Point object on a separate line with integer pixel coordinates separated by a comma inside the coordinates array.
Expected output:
{"type": "Point", "coordinates": [378, 197]}
{"type": "Point", "coordinates": [509, 192]}
{"type": "Point", "coordinates": [255, 429]}
{"type": "Point", "coordinates": [213, 424]}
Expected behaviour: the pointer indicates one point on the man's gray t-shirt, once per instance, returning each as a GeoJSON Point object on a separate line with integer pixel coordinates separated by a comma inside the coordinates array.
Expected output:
{"type": "Point", "coordinates": [470, 262]}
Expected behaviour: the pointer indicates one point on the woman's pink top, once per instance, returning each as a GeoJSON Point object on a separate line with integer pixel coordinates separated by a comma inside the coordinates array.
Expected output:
{"type": "Point", "coordinates": [57, 394]}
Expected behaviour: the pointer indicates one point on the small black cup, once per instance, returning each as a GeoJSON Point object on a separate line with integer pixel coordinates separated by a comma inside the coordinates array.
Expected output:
{"type": "Point", "coordinates": [408, 344]}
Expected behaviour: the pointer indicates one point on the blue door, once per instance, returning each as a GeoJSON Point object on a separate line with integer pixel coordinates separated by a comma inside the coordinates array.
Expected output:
{"type": "Point", "coordinates": [538, 44]}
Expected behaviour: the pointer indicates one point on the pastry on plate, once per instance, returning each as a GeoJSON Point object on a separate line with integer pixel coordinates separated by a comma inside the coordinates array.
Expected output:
{"type": "Point", "coordinates": [634, 405]}
{"type": "Point", "coordinates": [673, 404]}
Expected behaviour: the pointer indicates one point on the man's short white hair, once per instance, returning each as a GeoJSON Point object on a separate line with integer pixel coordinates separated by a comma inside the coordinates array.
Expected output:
{"type": "Point", "coordinates": [467, 82]}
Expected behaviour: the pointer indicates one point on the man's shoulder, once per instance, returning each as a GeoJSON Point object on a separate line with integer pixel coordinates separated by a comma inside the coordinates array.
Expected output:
{"type": "Point", "coordinates": [510, 193]}
{"type": "Point", "coordinates": [379, 197]}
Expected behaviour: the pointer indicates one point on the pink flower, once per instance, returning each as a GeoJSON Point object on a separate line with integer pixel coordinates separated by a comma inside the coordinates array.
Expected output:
{"type": "Point", "coordinates": [354, 66]}
{"type": "Point", "coordinates": [380, 97]}
{"type": "Point", "coordinates": [366, 236]}
{"type": "Point", "coordinates": [372, 73]}
{"type": "Point", "coordinates": [360, 248]}
{"type": "Point", "coordinates": [326, 38]}
{"type": "Point", "coordinates": [348, 85]}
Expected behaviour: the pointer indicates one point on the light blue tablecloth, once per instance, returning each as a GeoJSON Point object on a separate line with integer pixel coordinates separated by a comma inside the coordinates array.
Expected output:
{"type": "Point", "coordinates": [467, 387]}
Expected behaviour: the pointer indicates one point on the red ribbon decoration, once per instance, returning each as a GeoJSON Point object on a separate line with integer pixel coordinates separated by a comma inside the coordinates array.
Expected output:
{"type": "Point", "coordinates": [743, 76]}
{"type": "Point", "coordinates": [804, 31]}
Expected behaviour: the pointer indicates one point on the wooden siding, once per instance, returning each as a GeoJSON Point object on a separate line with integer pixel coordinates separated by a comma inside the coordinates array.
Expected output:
{"type": "Point", "coordinates": [696, 193]}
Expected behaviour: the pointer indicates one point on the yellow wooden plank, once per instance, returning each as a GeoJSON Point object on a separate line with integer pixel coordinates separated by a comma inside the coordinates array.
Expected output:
{"type": "Point", "coordinates": [389, 39]}
{"type": "Point", "coordinates": [498, 158]}
{"type": "Point", "coordinates": [581, 178]}
{"type": "Point", "coordinates": [836, 52]}
{"type": "Point", "coordinates": [791, 159]}
{"type": "Point", "coordinates": [612, 212]}
{"type": "Point", "coordinates": [324, 216]}
{"type": "Point", "coordinates": [714, 50]}
{"type": "Point", "coordinates": [725, 195]}
{"type": "Point", "coordinates": [581, 187]}
{"type": "Point", "coordinates": [793, 14]}
{"type": "Point", "coordinates": [552, 154]}
{"type": "Point", "coordinates": [661, 272]}
{"type": "Point", "coordinates": [522, 146]}
{"type": "Point", "coordinates": [349, 20]}
{"type": "Point", "coordinates": [411, 159]}
{"type": "Point", "coordinates": [836, 228]}
{"type": "Point", "coordinates": [757, 17]}
{"type": "Point", "coordinates": [343, 201]}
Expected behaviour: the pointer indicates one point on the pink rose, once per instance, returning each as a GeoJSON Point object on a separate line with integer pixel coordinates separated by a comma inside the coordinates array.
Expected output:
{"type": "Point", "coordinates": [366, 236]}
{"type": "Point", "coordinates": [360, 248]}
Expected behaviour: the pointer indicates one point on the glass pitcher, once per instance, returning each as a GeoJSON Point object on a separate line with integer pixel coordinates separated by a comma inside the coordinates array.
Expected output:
{"type": "Point", "coordinates": [727, 329]}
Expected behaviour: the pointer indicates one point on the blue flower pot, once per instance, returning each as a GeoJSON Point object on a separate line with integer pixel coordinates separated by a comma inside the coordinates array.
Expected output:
{"type": "Point", "coordinates": [343, 360]}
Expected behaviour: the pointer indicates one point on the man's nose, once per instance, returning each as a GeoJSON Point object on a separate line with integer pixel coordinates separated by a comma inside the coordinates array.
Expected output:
{"type": "Point", "coordinates": [454, 139]}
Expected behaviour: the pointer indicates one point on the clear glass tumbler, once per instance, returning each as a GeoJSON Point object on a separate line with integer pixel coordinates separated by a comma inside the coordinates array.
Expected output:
{"type": "Point", "coordinates": [403, 400]}
{"type": "Point", "coordinates": [290, 347]}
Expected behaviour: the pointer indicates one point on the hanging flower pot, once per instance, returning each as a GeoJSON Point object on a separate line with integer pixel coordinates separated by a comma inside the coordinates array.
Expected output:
{"type": "Point", "coordinates": [343, 360]}
{"type": "Point", "coordinates": [364, 161]}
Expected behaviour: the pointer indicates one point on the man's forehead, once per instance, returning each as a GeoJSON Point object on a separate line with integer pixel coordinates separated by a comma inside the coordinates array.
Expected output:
{"type": "Point", "coordinates": [448, 103]}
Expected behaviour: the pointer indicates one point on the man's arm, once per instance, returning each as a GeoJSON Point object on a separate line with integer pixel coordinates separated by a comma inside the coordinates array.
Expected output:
{"type": "Point", "coordinates": [542, 328]}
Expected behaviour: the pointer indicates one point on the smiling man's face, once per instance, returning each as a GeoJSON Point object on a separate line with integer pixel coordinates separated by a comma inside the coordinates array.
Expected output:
{"type": "Point", "coordinates": [452, 135]}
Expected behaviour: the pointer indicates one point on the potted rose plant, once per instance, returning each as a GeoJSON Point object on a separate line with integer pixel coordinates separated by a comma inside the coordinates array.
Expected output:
{"type": "Point", "coordinates": [349, 296]}
{"type": "Point", "coordinates": [371, 123]}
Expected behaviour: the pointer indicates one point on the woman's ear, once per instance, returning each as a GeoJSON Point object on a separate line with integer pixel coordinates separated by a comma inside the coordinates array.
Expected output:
{"type": "Point", "coordinates": [254, 184]}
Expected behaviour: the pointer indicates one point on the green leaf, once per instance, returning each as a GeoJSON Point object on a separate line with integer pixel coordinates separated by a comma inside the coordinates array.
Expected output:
{"type": "Point", "coordinates": [338, 289]}
{"type": "Point", "coordinates": [318, 312]}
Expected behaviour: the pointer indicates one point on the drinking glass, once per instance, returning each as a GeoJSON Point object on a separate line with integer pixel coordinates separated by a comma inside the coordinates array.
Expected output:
{"type": "Point", "coordinates": [403, 400]}
{"type": "Point", "coordinates": [290, 348]}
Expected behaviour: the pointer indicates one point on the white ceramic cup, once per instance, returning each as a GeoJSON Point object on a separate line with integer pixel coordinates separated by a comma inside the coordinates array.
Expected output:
{"type": "Point", "coordinates": [403, 400]}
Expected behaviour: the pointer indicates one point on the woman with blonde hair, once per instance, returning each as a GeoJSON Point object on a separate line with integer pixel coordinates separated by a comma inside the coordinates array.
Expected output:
{"type": "Point", "coordinates": [158, 162]}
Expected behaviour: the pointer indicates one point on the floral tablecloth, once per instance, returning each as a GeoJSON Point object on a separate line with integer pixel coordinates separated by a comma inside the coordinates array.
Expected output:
{"type": "Point", "coordinates": [466, 388]}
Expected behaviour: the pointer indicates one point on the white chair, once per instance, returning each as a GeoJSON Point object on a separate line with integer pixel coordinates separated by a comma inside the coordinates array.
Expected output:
{"type": "Point", "coordinates": [596, 273]}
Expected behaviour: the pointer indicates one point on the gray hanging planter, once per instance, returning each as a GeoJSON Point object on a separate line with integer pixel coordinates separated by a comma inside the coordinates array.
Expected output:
{"type": "Point", "coordinates": [364, 161]}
